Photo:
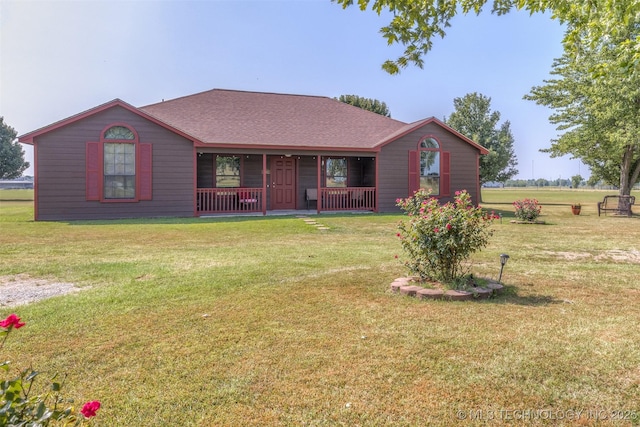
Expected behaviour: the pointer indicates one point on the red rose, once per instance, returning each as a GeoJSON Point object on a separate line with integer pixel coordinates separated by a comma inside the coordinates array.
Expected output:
{"type": "Point", "coordinates": [89, 409]}
{"type": "Point", "coordinates": [12, 321]}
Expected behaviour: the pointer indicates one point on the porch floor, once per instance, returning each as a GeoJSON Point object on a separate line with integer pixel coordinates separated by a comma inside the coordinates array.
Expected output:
{"type": "Point", "coordinates": [291, 212]}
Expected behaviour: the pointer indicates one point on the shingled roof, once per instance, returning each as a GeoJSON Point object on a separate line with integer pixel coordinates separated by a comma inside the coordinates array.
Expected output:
{"type": "Point", "coordinates": [269, 120]}
{"type": "Point", "coordinates": [228, 117]}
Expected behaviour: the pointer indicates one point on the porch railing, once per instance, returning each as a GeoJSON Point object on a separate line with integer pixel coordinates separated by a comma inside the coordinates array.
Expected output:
{"type": "Point", "coordinates": [237, 200]}
{"type": "Point", "coordinates": [227, 200]}
{"type": "Point", "coordinates": [348, 199]}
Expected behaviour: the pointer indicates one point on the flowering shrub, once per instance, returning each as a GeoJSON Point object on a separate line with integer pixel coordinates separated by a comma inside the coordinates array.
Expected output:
{"type": "Point", "coordinates": [527, 209]}
{"type": "Point", "coordinates": [439, 238]}
{"type": "Point", "coordinates": [18, 405]}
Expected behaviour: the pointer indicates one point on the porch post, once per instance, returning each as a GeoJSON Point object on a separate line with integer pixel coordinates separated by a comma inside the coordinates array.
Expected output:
{"type": "Point", "coordinates": [195, 181]}
{"type": "Point", "coordinates": [377, 183]}
{"type": "Point", "coordinates": [264, 184]}
{"type": "Point", "coordinates": [319, 178]}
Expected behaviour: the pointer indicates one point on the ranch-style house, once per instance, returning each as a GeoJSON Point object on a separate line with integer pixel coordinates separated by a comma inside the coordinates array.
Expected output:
{"type": "Point", "coordinates": [234, 152]}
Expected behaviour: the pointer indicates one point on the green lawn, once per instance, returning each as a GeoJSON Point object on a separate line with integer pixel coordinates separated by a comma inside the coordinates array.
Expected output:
{"type": "Point", "coordinates": [269, 321]}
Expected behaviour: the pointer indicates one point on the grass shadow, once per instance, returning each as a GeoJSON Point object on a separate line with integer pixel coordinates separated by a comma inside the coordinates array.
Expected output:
{"type": "Point", "coordinates": [509, 295]}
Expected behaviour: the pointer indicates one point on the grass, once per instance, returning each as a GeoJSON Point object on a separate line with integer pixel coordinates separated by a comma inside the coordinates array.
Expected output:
{"type": "Point", "coordinates": [269, 321]}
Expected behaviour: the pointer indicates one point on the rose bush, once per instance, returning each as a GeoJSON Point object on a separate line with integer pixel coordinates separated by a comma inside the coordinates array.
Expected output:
{"type": "Point", "coordinates": [438, 239]}
{"type": "Point", "coordinates": [19, 406]}
{"type": "Point", "coordinates": [527, 209]}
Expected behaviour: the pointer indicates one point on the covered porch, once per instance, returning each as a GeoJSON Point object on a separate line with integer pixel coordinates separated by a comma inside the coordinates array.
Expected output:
{"type": "Point", "coordinates": [229, 183]}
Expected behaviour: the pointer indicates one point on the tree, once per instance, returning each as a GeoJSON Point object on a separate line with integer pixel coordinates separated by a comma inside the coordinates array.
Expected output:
{"type": "Point", "coordinates": [576, 180]}
{"type": "Point", "coordinates": [474, 119]}
{"type": "Point", "coordinates": [598, 115]}
{"type": "Point", "coordinates": [12, 162]}
{"type": "Point", "coordinates": [368, 104]}
{"type": "Point", "coordinates": [415, 25]}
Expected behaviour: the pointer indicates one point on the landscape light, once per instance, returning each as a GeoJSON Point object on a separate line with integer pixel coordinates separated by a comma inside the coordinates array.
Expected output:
{"type": "Point", "coordinates": [503, 261]}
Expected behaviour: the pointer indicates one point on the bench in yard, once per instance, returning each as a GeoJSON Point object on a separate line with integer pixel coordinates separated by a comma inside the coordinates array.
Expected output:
{"type": "Point", "coordinates": [621, 205]}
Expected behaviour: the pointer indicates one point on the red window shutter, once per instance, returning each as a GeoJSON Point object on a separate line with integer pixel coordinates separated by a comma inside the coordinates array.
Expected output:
{"type": "Point", "coordinates": [446, 174]}
{"type": "Point", "coordinates": [145, 172]}
{"type": "Point", "coordinates": [414, 176]}
{"type": "Point", "coordinates": [92, 159]}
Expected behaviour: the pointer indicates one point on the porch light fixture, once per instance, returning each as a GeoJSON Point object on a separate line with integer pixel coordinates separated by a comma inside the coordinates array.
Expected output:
{"type": "Point", "coordinates": [503, 261]}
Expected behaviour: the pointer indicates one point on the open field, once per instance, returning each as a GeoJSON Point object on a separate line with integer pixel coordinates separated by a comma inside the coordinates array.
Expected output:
{"type": "Point", "coordinates": [270, 321]}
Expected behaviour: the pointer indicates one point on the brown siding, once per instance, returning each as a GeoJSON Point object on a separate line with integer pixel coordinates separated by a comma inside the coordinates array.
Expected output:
{"type": "Point", "coordinates": [206, 170]}
{"type": "Point", "coordinates": [61, 171]}
{"type": "Point", "coordinates": [252, 171]}
{"type": "Point", "coordinates": [307, 178]}
{"type": "Point", "coordinates": [393, 164]}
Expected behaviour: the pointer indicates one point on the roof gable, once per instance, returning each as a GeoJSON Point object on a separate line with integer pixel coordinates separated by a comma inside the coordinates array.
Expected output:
{"type": "Point", "coordinates": [421, 123]}
{"type": "Point", "coordinates": [28, 138]}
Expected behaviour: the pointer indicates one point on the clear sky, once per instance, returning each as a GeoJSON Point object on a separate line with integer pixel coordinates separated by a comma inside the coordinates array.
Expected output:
{"type": "Point", "coordinates": [58, 58]}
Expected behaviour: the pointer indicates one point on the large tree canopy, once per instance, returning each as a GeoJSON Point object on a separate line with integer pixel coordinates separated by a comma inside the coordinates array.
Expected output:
{"type": "Point", "coordinates": [598, 116]}
{"type": "Point", "coordinates": [368, 104]}
{"type": "Point", "coordinates": [474, 119]}
{"type": "Point", "coordinates": [415, 24]}
{"type": "Point", "coordinates": [12, 162]}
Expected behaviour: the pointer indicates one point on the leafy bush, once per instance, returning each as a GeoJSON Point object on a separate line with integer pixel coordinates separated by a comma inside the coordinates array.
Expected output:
{"type": "Point", "coordinates": [527, 209]}
{"type": "Point", "coordinates": [20, 407]}
{"type": "Point", "coordinates": [439, 238]}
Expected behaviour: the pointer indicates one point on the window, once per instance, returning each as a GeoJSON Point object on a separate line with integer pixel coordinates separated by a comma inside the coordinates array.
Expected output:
{"type": "Point", "coordinates": [119, 132]}
{"type": "Point", "coordinates": [430, 165]}
{"type": "Point", "coordinates": [119, 171]}
{"type": "Point", "coordinates": [429, 168]}
{"type": "Point", "coordinates": [118, 168]}
{"type": "Point", "coordinates": [336, 172]}
{"type": "Point", "coordinates": [227, 171]}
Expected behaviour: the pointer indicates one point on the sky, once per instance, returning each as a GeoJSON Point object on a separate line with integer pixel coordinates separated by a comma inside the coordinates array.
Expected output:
{"type": "Point", "coordinates": [59, 58]}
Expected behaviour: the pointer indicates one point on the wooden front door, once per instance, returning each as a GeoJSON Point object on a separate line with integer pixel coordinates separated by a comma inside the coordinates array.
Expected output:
{"type": "Point", "coordinates": [283, 183]}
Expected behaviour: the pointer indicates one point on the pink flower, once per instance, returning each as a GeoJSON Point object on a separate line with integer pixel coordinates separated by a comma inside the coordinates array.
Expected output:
{"type": "Point", "coordinates": [396, 256]}
{"type": "Point", "coordinates": [448, 226]}
{"type": "Point", "coordinates": [12, 321]}
{"type": "Point", "coordinates": [435, 230]}
{"type": "Point", "coordinates": [89, 409]}
{"type": "Point", "coordinates": [397, 234]}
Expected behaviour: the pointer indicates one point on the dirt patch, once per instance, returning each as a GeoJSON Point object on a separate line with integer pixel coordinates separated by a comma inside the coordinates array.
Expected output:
{"type": "Point", "coordinates": [616, 255]}
{"type": "Point", "coordinates": [21, 289]}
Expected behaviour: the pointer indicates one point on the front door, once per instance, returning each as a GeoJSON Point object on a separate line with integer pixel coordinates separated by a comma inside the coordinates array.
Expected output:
{"type": "Point", "coordinates": [283, 183]}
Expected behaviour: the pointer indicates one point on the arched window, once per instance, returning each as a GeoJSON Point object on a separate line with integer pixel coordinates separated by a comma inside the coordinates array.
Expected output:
{"type": "Point", "coordinates": [430, 165]}
{"type": "Point", "coordinates": [429, 168]}
{"type": "Point", "coordinates": [119, 132]}
{"type": "Point", "coordinates": [118, 168]}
